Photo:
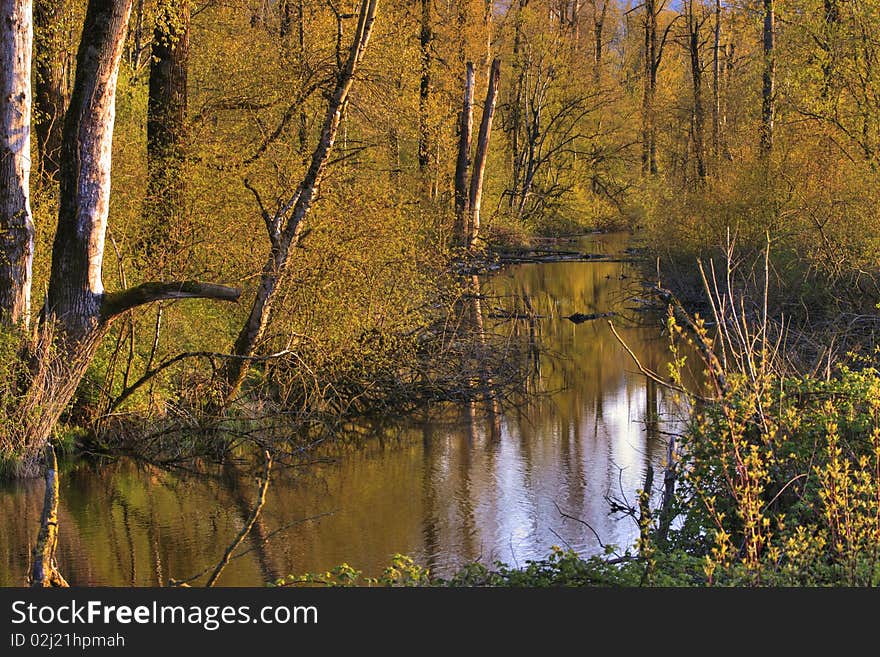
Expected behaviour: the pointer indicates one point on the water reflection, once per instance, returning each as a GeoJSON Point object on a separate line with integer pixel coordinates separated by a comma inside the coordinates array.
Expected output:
{"type": "Point", "coordinates": [474, 486]}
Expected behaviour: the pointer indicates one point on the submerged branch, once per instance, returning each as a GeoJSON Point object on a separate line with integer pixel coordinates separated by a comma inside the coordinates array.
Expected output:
{"type": "Point", "coordinates": [45, 572]}
{"type": "Point", "coordinates": [261, 500]}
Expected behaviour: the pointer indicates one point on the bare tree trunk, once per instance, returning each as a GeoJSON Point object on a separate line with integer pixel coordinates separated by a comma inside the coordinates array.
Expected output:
{"type": "Point", "coordinates": [16, 222]}
{"type": "Point", "coordinates": [285, 226]}
{"type": "Point", "coordinates": [166, 120]}
{"type": "Point", "coordinates": [50, 90]}
{"type": "Point", "coordinates": [45, 573]}
{"type": "Point", "coordinates": [426, 37]}
{"type": "Point", "coordinates": [768, 91]}
{"type": "Point", "coordinates": [75, 287]}
{"type": "Point", "coordinates": [476, 191]}
{"type": "Point", "coordinates": [462, 164]}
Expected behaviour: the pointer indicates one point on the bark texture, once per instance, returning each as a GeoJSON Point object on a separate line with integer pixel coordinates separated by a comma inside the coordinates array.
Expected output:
{"type": "Point", "coordinates": [16, 222]}
{"type": "Point", "coordinates": [476, 190]}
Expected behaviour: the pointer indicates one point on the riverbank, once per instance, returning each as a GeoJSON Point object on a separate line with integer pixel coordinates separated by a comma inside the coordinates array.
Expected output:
{"type": "Point", "coordinates": [447, 487]}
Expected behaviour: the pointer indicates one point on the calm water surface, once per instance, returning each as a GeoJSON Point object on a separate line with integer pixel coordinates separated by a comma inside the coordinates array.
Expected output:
{"type": "Point", "coordinates": [444, 492]}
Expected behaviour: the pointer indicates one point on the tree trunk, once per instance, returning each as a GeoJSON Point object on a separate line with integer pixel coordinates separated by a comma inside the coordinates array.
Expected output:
{"type": "Point", "coordinates": [50, 91]}
{"type": "Point", "coordinates": [285, 227]}
{"type": "Point", "coordinates": [78, 312]}
{"type": "Point", "coordinates": [598, 29]}
{"type": "Point", "coordinates": [285, 19]}
{"type": "Point", "coordinates": [166, 121]}
{"type": "Point", "coordinates": [462, 164]}
{"type": "Point", "coordinates": [649, 120]}
{"type": "Point", "coordinates": [303, 131]}
{"type": "Point", "coordinates": [697, 87]}
{"type": "Point", "coordinates": [137, 46]}
{"type": "Point", "coordinates": [768, 91]}
{"type": "Point", "coordinates": [426, 37]}
{"type": "Point", "coordinates": [716, 84]}
{"type": "Point", "coordinates": [516, 101]}
{"type": "Point", "coordinates": [16, 222]}
{"type": "Point", "coordinates": [832, 20]}
{"type": "Point", "coordinates": [476, 191]}
{"type": "Point", "coordinates": [75, 287]}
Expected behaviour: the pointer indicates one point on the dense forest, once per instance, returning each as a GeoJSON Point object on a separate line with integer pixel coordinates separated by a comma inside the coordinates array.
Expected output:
{"type": "Point", "coordinates": [226, 222]}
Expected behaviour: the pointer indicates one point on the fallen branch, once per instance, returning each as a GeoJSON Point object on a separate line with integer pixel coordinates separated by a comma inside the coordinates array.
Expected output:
{"type": "Point", "coordinates": [648, 373]}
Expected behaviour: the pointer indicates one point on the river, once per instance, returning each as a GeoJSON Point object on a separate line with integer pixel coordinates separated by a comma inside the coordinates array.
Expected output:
{"type": "Point", "coordinates": [443, 491]}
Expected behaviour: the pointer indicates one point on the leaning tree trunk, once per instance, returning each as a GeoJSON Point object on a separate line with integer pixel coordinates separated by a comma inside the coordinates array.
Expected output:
{"type": "Point", "coordinates": [50, 82]}
{"type": "Point", "coordinates": [78, 311]}
{"type": "Point", "coordinates": [166, 120]}
{"type": "Point", "coordinates": [16, 223]}
{"type": "Point", "coordinates": [286, 225]}
{"type": "Point", "coordinates": [463, 162]}
{"type": "Point", "coordinates": [476, 191]}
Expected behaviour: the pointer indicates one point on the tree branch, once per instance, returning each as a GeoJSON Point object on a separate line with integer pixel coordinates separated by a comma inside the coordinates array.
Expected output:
{"type": "Point", "coordinates": [150, 373]}
{"type": "Point", "coordinates": [261, 500]}
{"type": "Point", "coordinates": [116, 303]}
{"type": "Point", "coordinates": [270, 221]}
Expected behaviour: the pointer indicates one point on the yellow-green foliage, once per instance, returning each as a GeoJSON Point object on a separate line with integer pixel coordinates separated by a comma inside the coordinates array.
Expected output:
{"type": "Point", "coordinates": [782, 480]}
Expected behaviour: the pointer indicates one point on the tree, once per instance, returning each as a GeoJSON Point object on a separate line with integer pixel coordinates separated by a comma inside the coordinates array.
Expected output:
{"type": "Point", "coordinates": [463, 161]}
{"type": "Point", "coordinates": [78, 311]}
{"type": "Point", "coordinates": [285, 226]}
{"type": "Point", "coordinates": [694, 23]}
{"type": "Point", "coordinates": [166, 118]}
{"type": "Point", "coordinates": [16, 222]}
{"type": "Point", "coordinates": [426, 37]}
{"type": "Point", "coordinates": [50, 80]}
{"type": "Point", "coordinates": [716, 83]}
{"type": "Point", "coordinates": [768, 89]}
{"type": "Point", "coordinates": [479, 171]}
{"type": "Point", "coordinates": [599, 15]}
{"type": "Point", "coordinates": [651, 63]}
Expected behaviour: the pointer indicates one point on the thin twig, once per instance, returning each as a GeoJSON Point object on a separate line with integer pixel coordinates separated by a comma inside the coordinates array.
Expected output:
{"type": "Point", "coordinates": [648, 373]}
